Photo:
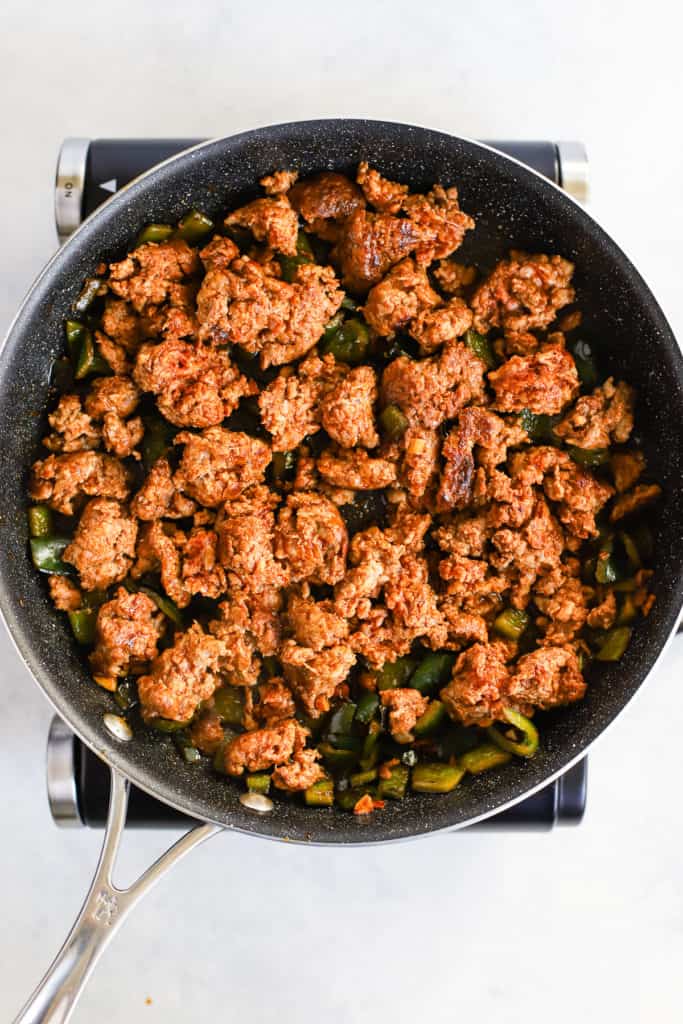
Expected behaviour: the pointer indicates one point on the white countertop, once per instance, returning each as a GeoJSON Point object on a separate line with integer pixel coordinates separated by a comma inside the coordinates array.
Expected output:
{"type": "Point", "coordinates": [579, 923]}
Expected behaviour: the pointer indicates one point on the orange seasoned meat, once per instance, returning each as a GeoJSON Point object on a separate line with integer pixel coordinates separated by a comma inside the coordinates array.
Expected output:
{"type": "Point", "coordinates": [386, 196]}
{"type": "Point", "coordinates": [314, 675]}
{"type": "Point", "coordinates": [62, 480]}
{"type": "Point", "coordinates": [188, 564]}
{"type": "Point", "coordinates": [65, 595]}
{"type": "Point", "coordinates": [479, 687]}
{"type": "Point", "coordinates": [272, 221]}
{"type": "Point", "coordinates": [275, 701]}
{"type": "Point", "coordinates": [547, 678]}
{"type": "Point", "coordinates": [181, 676]}
{"type": "Point", "coordinates": [264, 748]}
{"type": "Point", "coordinates": [544, 382]}
{"type": "Point", "coordinates": [159, 498]}
{"type": "Point", "coordinates": [218, 464]}
{"type": "Point", "coordinates": [356, 469]}
{"type": "Point", "coordinates": [640, 497]}
{"type": "Point", "coordinates": [369, 244]}
{"type": "Point", "coordinates": [311, 539]}
{"type": "Point", "coordinates": [103, 547]}
{"type": "Point", "coordinates": [324, 201]}
{"type": "Point", "coordinates": [405, 707]}
{"type": "Point", "coordinates": [598, 420]}
{"type": "Point", "coordinates": [315, 624]}
{"type": "Point", "coordinates": [146, 277]}
{"type": "Point", "coordinates": [72, 429]}
{"type": "Point", "coordinates": [127, 634]}
{"type": "Point", "coordinates": [432, 390]}
{"type": "Point", "coordinates": [399, 298]}
{"type": "Point", "coordinates": [348, 412]}
{"type": "Point", "coordinates": [523, 293]}
{"type": "Point", "coordinates": [300, 773]}
{"type": "Point", "coordinates": [291, 406]}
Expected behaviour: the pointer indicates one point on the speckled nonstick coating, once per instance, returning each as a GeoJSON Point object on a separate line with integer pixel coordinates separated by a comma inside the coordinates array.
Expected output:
{"type": "Point", "coordinates": [512, 206]}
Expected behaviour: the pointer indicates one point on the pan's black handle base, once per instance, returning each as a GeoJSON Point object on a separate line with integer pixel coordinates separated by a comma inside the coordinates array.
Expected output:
{"type": "Point", "coordinates": [78, 790]}
{"type": "Point", "coordinates": [89, 171]}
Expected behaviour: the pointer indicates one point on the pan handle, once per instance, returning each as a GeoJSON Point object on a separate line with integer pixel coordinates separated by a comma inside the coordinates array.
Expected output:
{"type": "Point", "coordinates": [102, 914]}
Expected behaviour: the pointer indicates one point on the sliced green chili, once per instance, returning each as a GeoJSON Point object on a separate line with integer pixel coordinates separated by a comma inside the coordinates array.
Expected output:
{"type": "Point", "coordinates": [627, 611]}
{"type": "Point", "coordinates": [525, 747]}
{"type": "Point", "coordinates": [393, 422]}
{"type": "Point", "coordinates": [338, 759]}
{"type": "Point", "coordinates": [591, 458]}
{"type": "Point", "coordinates": [370, 750]}
{"type": "Point", "coordinates": [88, 294]}
{"type": "Point", "coordinates": [154, 233]}
{"type": "Point", "coordinates": [187, 750]}
{"type": "Point", "coordinates": [348, 798]}
{"type": "Point", "coordinates": [258, 782]}
{"type": "Point", "coordinates": [511, 623]}
{"type": "Point", "coordinates": [40, 522]}
{"type": "Point", "coordinates": [126, 695]}
{"type": "Point", "coordinates": [644, 541]}
{"type": "Point", "coordinates": [539, 426]}
{"type": "Point", "coordinates": [368, 703]}
{"type": "Point", "coordinates": [436, 778]}
{"type": "Point", "coordinates": [585, 363]}
{"type": "Point", "coordinates": [433, 671]}
{"type": "Point", "coordinates": [394, 788]}
{"type": "Point", "coordinates": [394, 674]}
{"type": "Point", "coordinates": [283, 466]}
{"type": "Point", "coordinates": [614, 644]}
{"type": "Point", "coordinates": [46, 554]}
{"type": "Point", "coordinates": [89, 360]}
{"type": "Point", "coordinates": [320, 794]}
{"type": "Point", "coordinates": [348, 343]}
{"type": "Point", "coordinates": [631, 549]}
{"type": "Point", "coordinates": [608, 568]}
{"type": "Point", "coordinates": [156, 440]}
{"type": "Point", "coordinates": [481, 346]}
{"type": "Point", "coordinates": [74, 337]}
{"type": "Point", "coordinates": [342, 719]}
{"type": "Point", "coordinates": [165, 605]}
{"type": "Point", "coordinates": [483, 757]}
{"type": "Point", "coordinates": [168, 725]}
{"type": "Point", "coordinates": [430, 721]}
{"type": "Point", "coordinates": [229, 705]}
{"type": "Point", "coordinates": [363, 778]}
{"type": "Point", "coordinates": [83, 622]}
{"type": "Point", "coordinates": [194, 227]}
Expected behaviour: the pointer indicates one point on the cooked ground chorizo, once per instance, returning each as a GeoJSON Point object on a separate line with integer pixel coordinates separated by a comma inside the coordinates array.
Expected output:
{"type": "Point", "coordinates": [61, 480]}
{"type": "Point", "coordinates": [600, 419]}
{"type": "Point", "coordinates": [544, 382]}
{"type": "Point", "coordinates": [218, 464]}
{"type": "Point", "coordinates": [127, 634]}
{"type": "Point", "coordinates": [194, 386]}
{"type": "Point", "coordinates": [272, 221]}
{"type": "Point", "coordinates": [103, 547]}
{"type": "Point", "coordinates": [264, 748]}
{"type": "Point", "coordinates": [523, 293]}
{"type": "Point", "coordinates": [405, 707]}
{"type": "Point", "coordinates": [412, 525]}
{"type": "Point", "coordinates": [181, 676]}
{"type": "Point", "coordinates": [311, 539]}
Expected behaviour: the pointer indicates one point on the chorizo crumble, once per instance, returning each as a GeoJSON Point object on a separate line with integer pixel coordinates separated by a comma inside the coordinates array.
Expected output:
{"type": "Point", "coordinates": [335, 509]}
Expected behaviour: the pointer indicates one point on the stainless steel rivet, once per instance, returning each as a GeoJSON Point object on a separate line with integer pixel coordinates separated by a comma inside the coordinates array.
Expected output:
{"type": "Point", "coordinates": [257, 802]}
{"type": "Point", "coordinates": [118, 727]}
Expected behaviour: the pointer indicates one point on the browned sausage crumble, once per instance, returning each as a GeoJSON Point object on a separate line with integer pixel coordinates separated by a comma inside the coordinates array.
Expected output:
{"type": "Point", "coordinates": [328, 503]}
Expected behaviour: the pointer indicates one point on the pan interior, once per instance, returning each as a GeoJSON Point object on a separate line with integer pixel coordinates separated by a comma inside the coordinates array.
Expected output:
{"type": "Point", "coordinates": [513, 207]}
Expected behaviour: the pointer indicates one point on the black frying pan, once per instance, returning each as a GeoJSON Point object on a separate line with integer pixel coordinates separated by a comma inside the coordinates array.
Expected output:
{"type": "Point", "coordinates": [513, 206]}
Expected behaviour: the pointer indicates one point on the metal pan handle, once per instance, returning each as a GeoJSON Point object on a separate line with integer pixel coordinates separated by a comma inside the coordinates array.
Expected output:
{"type": "Point", "coordinates": [102, 914]}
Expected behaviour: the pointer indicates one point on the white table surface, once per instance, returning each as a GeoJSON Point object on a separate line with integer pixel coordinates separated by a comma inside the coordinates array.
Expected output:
{"type": "Point", "coordinates": [583, 923]}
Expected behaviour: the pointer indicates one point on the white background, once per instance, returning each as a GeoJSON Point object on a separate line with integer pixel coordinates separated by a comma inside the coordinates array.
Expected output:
{"type": "Point", "coordinates": [583, 923]}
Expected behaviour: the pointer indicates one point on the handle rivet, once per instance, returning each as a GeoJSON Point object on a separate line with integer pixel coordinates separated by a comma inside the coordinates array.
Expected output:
{"type": "Point", "coordinates": [118, 727]}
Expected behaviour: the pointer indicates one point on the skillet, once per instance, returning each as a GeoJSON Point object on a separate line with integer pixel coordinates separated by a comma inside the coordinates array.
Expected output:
{"type": "Point", "coordinates": [513, 207]}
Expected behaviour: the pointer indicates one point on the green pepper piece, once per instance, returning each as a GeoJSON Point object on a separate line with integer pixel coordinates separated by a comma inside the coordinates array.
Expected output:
{"type": "Point", "coordinates": [167, 725]}
{"type": "Point", "coordinates": [342, 719]}
{"type": "Point", "coordinates": [433, 671]}
{"type": "Point", "coordinates": [393, 422]}
{"type": "Point", "coordinates": [289, 265]}
{"type": "Point", "coordinates": [483, 757]}
{"type": "Point", "coordinates": [363, 778]}
{"type": "Point", "coordinates": [368, 703]}
{"type": "Point", "coordinates": [156, 440]}
{"type": "Point", "coordinates": [62, 375]}
{"type": "Point", "coordinates": [539, 426]}
{"type": "Point", "coordinates": [348, 303]}
{"type": "Point", "coordinates": [186, 748]}
{"type": "Point", "coordinates": [303, 246]}
{"type": "Point", "coordinates": [607, 569]}
{"type": "Point", "coordinates": [436, 778]}
{"type": "Point", "coordinates": [631, 549]}
{"type": "Point", "coordinates": [348, 798]}
{"type": "Point", "coordinates": [40, 521]}
{"type": "Point", "coordinates": [644, 541]}
{"type": "Point", "coordinates": [165, 605]}
{"type": "Point", "coordinates": [126, 695]}
{"type": "Point", "coordinates": [627, 612]}
{"type": "Point", "coordinates": [337, 759]}
{"type": "Point", "coordinates": [193, 227]}
{"type": "Point", "coordinates": [229, 705]}
{"type": "Point", "coordinates": [283, 466]}
{"type": "Point", "coordinates": [271, 666]}
{"type": "Point", "coordinates": [430, 721]}
{"type": "Point", "coordinates": [511, 623]}
{"type": "Point", "coordinates": [88, 294]}
{"type": "Point", "coordinates": [591, 458]}
{"type": "Point", "coordinates": [526, 747]}
{"type": "Point", "coordinates": [367, 509]}
{"type": "Point", "coordinates": [395, 673]}
{"type": "Point", "coordinates": [614, 644]}
{"type": "Point", "coordinates": [320, 794]}
{"type": "Point", "coordinates": [154, 233]}
{"type": "Point", "coordinates": [258, 782]}
{"type": "Point", "coordinates": [83, 625]}
{"type": "Point", "coordinates": [370, 751]}
{"type": "Point", "coordinates": [89, 360]}
{"type": "Point", "coordinates": [481, 346]}
{"type": "Point", "coordinates": [585, 363]}
{"type": "Point", "coordinates": [46, 555]}
{"type": "Point", "coordinates": [394, 788]}
{"type": "Point", "coordinates": [74, 337]}
{"type": "Point", "coordinates": [627, 586]}
{"type": "Point", "coordinates": [348, 343]}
